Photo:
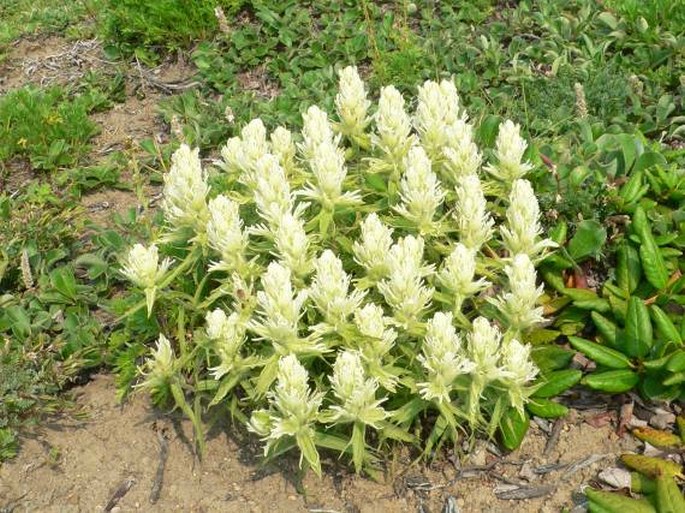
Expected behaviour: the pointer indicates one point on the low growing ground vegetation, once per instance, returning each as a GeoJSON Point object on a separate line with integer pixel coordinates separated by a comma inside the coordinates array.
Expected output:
{"type": "Point", "coordinates": [250, 297]}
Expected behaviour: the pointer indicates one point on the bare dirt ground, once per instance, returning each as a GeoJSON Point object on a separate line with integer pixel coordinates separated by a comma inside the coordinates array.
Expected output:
{"type": "Point", "coordinates": [72, 465]}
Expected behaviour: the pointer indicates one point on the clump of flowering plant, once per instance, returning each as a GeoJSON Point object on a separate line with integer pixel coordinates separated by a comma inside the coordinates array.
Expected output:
{"type": "Point", "coordinates": [366, 275]}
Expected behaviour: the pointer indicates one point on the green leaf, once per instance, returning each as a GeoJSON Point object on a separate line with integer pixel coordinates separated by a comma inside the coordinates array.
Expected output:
{"type": "Point", "coordinates": [606, 328]}
{"type": "Point", "coordinates": [559, 232]}
{"type": "Point", "coordinates": [657, 437]}
{"type": "Point", "coordinates": [611, 502]}
{"type": "Point", "coordinates": [656, 364]}
{"type": "Point", "coordinates": [358, 446]}
{"type": "Point", "coordinates": [637, 339]}
{"type": "Point", "coordinates": [676, 361]}
{"type": "Point", "coordinates": [63, 280]}
{"type": "Point", "coordinates": [669, 498]}
{"type": "Point", "coordinates": [541, 336]}
{"type": "Point", "coordinates": [20, 322]}
{"type": "Point", "coordinates": [389, 430]}
{"type": "Point", "coordinates": [649, 159]}
{"type": "Point", "coordinates": [488, 129]}
{"type": "Point", "coordinates": [614, 381]}
{"type": "Point", "coordinates": [546, 409]}
{"type": "Point", "coordinates": [675, 379]}
{"type": "Point", "coordinates": [653, 387]}
{"type": "Point", "coordinates": [95, 264]}
{"type": "Point", "coordinates": [227, 384]}
{"type": "Point", "coordinates": [633, 189]}
{"type": "Point", "coordinates": [653, 264]}
{"type": "Point", "coordinates": [376, 182]}
{"type": "Point", "coordinates": [601, 355]}
{"type": "Point", "coordinates": [305, 442]}
{"type": "Point", "coordinates": [549, 358]}
{"type": "Point", "coordinates": [557, 381]}
{"type": "Point", "coordinates": [641, 484]}
{"type": "Point", "coordinates": [581, 294]}
{"type": "Point", "coordinates": [587, 241]}
{"type": "Point", "coordinates": [628, 268]}
{"type": "Point", "coordinates": [267, 376]}
{"type": "Point", "coordinates": [608, 19]}
{"type": "Point", "coordinates": [665, 328]}
{"type": "Point", "coordinates": [513, 428]}
{"type": "Point", "coordinates": [650, 466]}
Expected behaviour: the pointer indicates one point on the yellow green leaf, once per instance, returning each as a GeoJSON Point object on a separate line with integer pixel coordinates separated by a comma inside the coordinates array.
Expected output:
{"type": "Point", "coordinates": [651, 467]}
{"type": "Point", "coordinates": [657, 437]}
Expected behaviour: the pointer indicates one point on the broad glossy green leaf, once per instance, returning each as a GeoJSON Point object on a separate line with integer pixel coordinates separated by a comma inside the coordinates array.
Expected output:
{"type": "Point", "coordinates": [653, 264]}
{"type": "Point", "coordinates": [628, 268]}
{"type": "Point", "coordinates": [556, 382]}
{"type": "Point", "coordinates": [614, 381]}
{"type": "Point", "coordinates": [546, 409]}
{"type": "Point", "coordinates": [600, 354]}
{"type": "Point", "coordinates": [605, 327]}
{"type": "Point", "coordinates": [637, 336]}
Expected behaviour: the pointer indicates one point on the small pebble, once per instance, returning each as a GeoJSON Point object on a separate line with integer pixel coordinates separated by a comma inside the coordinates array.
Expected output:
{"type": "Point", "coordinates": [634, 422]}
{"type": "Point", "coordinates": [662, 420]}
{"type": "Point", "coordinates": [616, 477]}
{"type": "Point", "coordinates": [526, 472]}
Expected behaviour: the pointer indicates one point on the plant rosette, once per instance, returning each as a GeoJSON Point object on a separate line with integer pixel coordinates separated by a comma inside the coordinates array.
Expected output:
{"type": "Point", "coordinates": [364, 281]}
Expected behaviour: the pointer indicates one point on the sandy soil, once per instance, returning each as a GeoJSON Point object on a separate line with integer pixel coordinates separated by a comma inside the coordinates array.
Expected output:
{"type": "Point", "coordinates": [77, 466]}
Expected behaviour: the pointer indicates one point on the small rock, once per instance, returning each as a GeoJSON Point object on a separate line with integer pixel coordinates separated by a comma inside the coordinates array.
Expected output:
{"type": "Point", "coordinates": [526, 472]}
{"type": "Point", "coordinates": [652, 451]}
{"type": "Point", "coordinates": [477, 457]}
{"type": "Point", "coordinates": [634, 422]}
{"type": "Point", "coordinates": [616, 477]}
{"type": "Point", "coordinates": [543, 424]}
{"type": "Point", "coordinates": [662, 420]}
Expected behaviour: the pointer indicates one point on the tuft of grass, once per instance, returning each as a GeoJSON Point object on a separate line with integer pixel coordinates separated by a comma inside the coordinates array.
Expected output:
{"type": "Point", "coordinates": [45, 126]}
{"type": "Point", "coordinates": [149, 28]}
{"type": "Point", "coordinates": [31, 17]}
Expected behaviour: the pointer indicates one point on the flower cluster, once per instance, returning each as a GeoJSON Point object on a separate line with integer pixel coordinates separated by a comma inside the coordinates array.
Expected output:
{"type": "Point", "coordinates": [420, 191]}
{"type": "Point", "coordinates": [344, 273]}
{"type": "Point", "coordinates": [185, 192]}
{"type": "Point", "coordinates": [443, 358]}
{"type": "Point", "coordinates": [351, 103]}
{"type": "Point", "coordinates": [143, 268]}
